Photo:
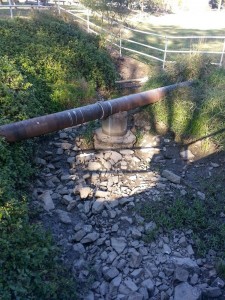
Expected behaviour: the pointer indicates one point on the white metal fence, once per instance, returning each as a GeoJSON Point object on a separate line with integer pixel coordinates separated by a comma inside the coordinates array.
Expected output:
{"type": "Point", "coordinates": [13, 7]}
{"type": "Point", "coordinates": [136, 41]}
{"type": "Point", "coordinates": [169, 46]}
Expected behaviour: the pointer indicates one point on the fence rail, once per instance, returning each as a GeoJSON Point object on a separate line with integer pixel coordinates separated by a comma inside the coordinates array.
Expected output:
{"type": "Point", "coordinates": [13, 7]}
{"type": "Point", "coordinates": [123, 43]}
{"type": "Point", "coordinates": [122, 39]}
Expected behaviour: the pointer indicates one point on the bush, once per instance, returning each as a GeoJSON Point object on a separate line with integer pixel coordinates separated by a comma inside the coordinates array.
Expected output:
{"type": "Point", "coordinates": [195, 112]}
{"type": "Point", "coordinates": [62, 64]}
{"type": "Point", "coordinates": [46, 65]}
{"type": "Point", "coordinates": [29, 269]}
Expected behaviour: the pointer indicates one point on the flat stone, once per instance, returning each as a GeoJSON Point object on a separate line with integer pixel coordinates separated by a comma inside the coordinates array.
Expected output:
{"type": "Point", "coordinates": [90, 296]}
{"type": "Point", "coordinates": [71, 205]}
{"type": "Point", "coordinates": [97, 206]}
{"type": "Point", "coordinates": [94, 166]}
{"type": "Point", "coordinates": [90, 238]}
{"type": "Point", "coordinates": [115, 228]}
{"type": "Point", "coordinates": [104, 288]}
{"type": "Point", "coordinates": [190, 250]}
{"type": "Point", "coordinates": [166, 249]}
{"type": "Point", "coordinates": [114, 285]}
{"type": "Point", "coordinates": [83, 157]}
{"type": "Point", "coordinates": [212, 292]}
{"type": "Point", "coordinates": [66, 199]}
{"type": "Point", "coordinates": [87, 207]}
{"type": "Point", "coordinates": [214, 165]}
{"type": "Point", "coordinates": [194, 279]}
{"type": "Point", "coordinates": [84, 192]}
{"type": "Point", "coordinates": [185, 261]}
{"type": "Point", "coordinates": [135, 296]}
{"type": "Point", "coordinates": [124, 201]}
{"type": "Point", "coordinates": [110, 273]}
{"type": "Point", "coordinates": [185, 291]}
{"type": "Point", "coordinates": [40, 161]}
{"type": "Point", "coordinates": [79, 248]}
{"type": "Point", "coordinates": [135, 259]}
{"type": "Point", "coordinates": [115, 156]}
{"type": "Point", "coordinates": [183, 241]}
{"type": "Point", "coordinates": [187, 155]}
{"type": "Point", "coordinates": [136, 234]}
{"type": "Point", "coordinates": [118, 244]}
{"type": "Point", "coordinates": [181, 274]}
{"type": "Point", "coordinates": [101, 194]}
{"type": "Point", "coordinates": [130, 284]}
{"type": "Point", "coordinates": [126, 152]}
{"type": "Point", "coordinates": [149, 284]}
{"type": "Point", "coordinates": [218, 282]}
{"type": "Point", "coordinates": [66, 146]}
{"type": "Point", "coordinates": [64, 216]}
{"type": "Point", "coordinates": [171, 176]}
{"type": "Point", "coordinates": [87, 228]}
{"type": "Point", "coordinates": [121, 264]}
{"type": "Point", "coordinates": [123, 289]}
{"type": "Point", "coordinates": [79, 235]}
{"type": "Point", "coordinates": [47, 200]}
{"type": "Point", "coordinates": [144, 292]}
{"type": "Point", "coordinates": [65, 177]}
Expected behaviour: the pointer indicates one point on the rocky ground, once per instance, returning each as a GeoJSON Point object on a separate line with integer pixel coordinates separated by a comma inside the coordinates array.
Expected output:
{"type": "Point", "coordinates": [89, 200]}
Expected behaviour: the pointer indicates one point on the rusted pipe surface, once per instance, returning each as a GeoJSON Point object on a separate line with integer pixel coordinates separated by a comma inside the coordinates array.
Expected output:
{"type": "Point", "coordinates": [45, 124]}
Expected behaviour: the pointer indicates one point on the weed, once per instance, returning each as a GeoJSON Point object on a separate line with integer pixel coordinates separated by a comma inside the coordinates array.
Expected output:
{"type": "Point", "coordinates": [139, 136]}
{"type": "Point", "coordinates": [191, 112]}
{"type": "Point", "coordinates": [221, 268]}
{"type": "Point", "coordinates": [151, 235]}
{"type": "Point", "coordinates": [88, 134]}
{"type": "Point", "coordinates": [186, 213]}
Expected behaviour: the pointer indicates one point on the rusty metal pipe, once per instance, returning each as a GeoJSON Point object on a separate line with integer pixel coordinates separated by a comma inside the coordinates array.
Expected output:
{"type": "Point", "coordinates": [45, 124]}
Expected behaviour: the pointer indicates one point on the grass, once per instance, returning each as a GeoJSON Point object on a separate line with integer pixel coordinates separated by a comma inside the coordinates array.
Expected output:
{"type": "Point", "coordinates": [186, 213]}
{"type": "Point", "coordinates": [191, 113]}
{"type": "Point", "coordinates": [189, 212]}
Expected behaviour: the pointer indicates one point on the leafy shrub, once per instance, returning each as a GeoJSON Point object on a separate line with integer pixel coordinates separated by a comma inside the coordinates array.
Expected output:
{"type": "Point", "coordinates": [56, 58]}
{"type": "Point", "coordinates": [46, 65]}
{"type": "Point", "coordinates": [195, 112]}
{"type": "Point", "coordinates": [29, 269]}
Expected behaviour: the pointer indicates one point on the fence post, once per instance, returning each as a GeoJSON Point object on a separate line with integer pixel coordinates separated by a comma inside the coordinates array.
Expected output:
{"type": "Point", "coordinates": [11, 10]}
{"type": "Point", "coordinates": [223, 51]}
{"type": "Point", "coordinates": [165, 51]}
{"type": "Point", "coordinates": [58, 6]}
{"type": "Point", "coordinates": [88, 21]}
{"type": "Point", "coordinates": [120, 42]}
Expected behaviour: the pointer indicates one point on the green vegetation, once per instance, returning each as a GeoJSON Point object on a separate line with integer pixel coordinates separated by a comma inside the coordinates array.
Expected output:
{"type": "Point", "coordinates": [191, 113]}
{"type": "Point", "coordinates": [194, 113]}
{"type": "Point", "coordinates": [63, 64]}
{"type": "Point", "coordinates": [188, 212]}
{"type": "Point", "coordinates": [46, 65]}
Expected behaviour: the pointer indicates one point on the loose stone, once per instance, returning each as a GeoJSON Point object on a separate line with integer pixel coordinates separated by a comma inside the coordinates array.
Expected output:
{"type": "Point", "coordinates": [119, 244]}
{"type": "Point", "coordinates": [171, 176]}
{"type": "Point", "coordinates": [181, 274]}
{"type": "Point", "coordinates": [48, 202]}
{"type": "Point", "coordinates": [185, 291]}
{"type": "Point", "coordinates": [63, 216]}
{"type": "Point", "coordinates": [110, 273]}
{"type": "Point", "coordinates": [90, 238]}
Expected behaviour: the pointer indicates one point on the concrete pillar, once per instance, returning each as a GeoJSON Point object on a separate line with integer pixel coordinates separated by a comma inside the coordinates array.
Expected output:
{"type": "Point", "coordinates": [115, 125]}
{"type": "Point", "coordinates": [114, 134]}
